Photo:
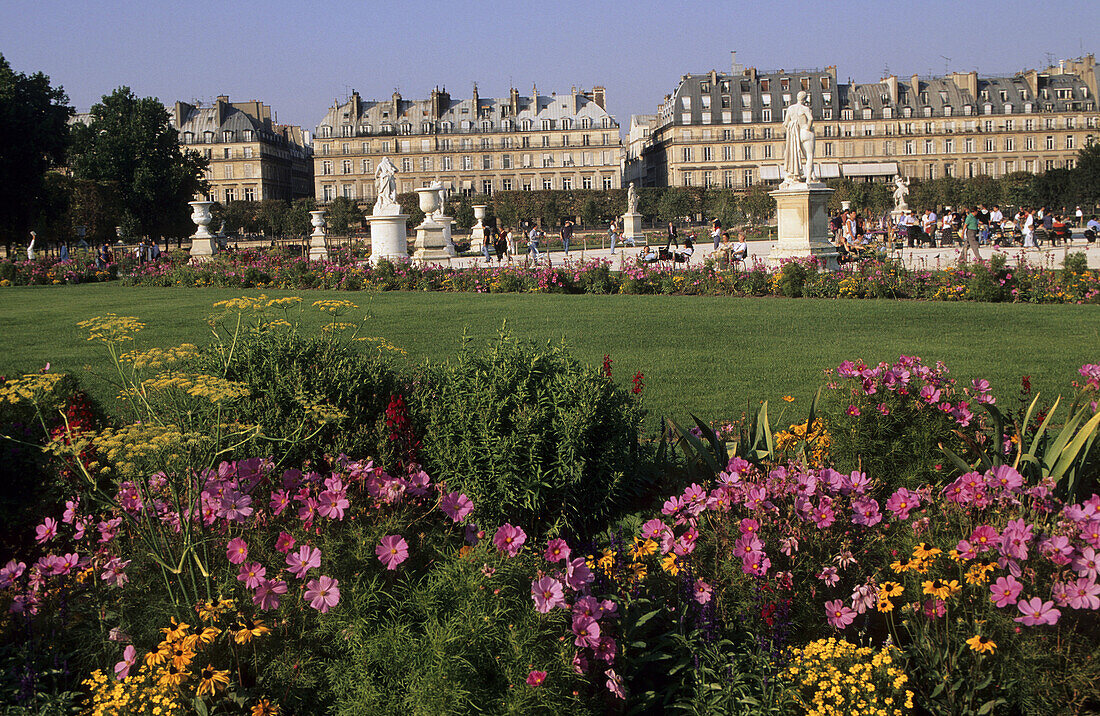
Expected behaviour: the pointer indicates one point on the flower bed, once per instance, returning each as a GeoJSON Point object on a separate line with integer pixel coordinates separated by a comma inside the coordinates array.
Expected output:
{"type": "Point", "coordinates": [187, 569]}
{"type": "Point", "coordinates": [990, 281]}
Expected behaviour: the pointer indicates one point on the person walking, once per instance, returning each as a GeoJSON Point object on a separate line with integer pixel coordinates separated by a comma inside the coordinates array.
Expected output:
{"type": "Point", "coordinates": [716, 232]}
{"type": "Point", "coordinates": [672, 239]}
{"type": "Point", "coordinates": [567, 235]}
{"type": "Point", "coordinates": [486, 241]}
{"type": "Point", "coordinates": [1080, 216]}
{"type": "Point", "coordinates": [970, 236]}
{"type": "Point", "coordinates": [533, 242]}
{"type": "Point", "coordinates": [1027, 228]}
{"type": "Point", "coordinates": [613, 234]}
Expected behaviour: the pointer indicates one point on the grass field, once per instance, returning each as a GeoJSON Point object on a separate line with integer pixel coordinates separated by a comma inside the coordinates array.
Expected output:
{"type": "Point", "coordinates": [711, 356]}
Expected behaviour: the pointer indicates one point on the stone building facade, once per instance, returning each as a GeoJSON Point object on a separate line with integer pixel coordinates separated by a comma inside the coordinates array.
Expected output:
{"type": "Point", "coordinates": [726, 129]}
{"type": "Point", "coordinates": [251, 156]}
{"type": "Point", "coordinates": [473, 145]}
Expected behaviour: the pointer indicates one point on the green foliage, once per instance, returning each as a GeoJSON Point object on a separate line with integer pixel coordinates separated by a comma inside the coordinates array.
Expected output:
{"type": "Point", "coordinates": [792, 278]}
{"type": "Point", "coordinates": [343, 216]}
{"type": "Point", "coordinates": [675, 204]}
{"type": "Point", "coordinates": [758, 204]}
{"type": "Point", "coordinates": [287, 372]}
{"type": "Point", "coordinates": [34, 123]}
{"type": "Point", "coordinates": [130, 141]}
{"type": "Point", "coordinates": [987, 280]}
{"type": "Point", "coordinates": [298, 219]}
{"type": "Point", "coordinates": [532, 435]}
{"type": "Point", "coordinates": [1077, 262]}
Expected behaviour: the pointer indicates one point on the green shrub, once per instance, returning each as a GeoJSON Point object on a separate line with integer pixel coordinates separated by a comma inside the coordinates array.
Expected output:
{"type": "Point", "coordinates": [987, 281]}
{"type": "Point", "coordinates": [532, 435]}
{"type": "Point", "coordinates": [288, 372]}
{"type": "Point", "coordinates": [1077, 262]}
{"type": "Point", "coordinates": [791, 279]}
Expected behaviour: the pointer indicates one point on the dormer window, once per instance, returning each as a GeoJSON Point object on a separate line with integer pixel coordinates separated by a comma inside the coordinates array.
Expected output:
{"type": "Point", "coordinates": [586, 123]}
{"type": "Point", "coordinates": [188, 137]}
{"type": "Point", "coordinates": [248, 135]}
{"type": "Point", "coordinates": [446, 127]}
{"type": "Point", "coordinates": [704, 87]}
{"type": "Point", "coordinates": [227, 136]}
{"type": "Point", "coordinates": [326, 131]}
{"type": "Point", "coordinates": [486, 126]}
{"type": "Point", "coordinates": [208, 137]}
{"type": "Point", "coordinates": [525, 125]}
{"type": "Point", "coordinates": [345, 130]}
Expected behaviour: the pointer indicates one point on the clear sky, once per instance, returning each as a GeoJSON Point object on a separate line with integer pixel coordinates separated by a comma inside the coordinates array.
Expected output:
{"type": "Point", "coordinates": [300, 56]}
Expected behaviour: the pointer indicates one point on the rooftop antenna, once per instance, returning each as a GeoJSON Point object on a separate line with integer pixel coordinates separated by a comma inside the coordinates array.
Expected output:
{"type": "Point", "coordinates": [1050, 58]}
{"type": "Point", "coordinates": [946, 64]}
{"type": "Point", "coordinates": [347, 92]}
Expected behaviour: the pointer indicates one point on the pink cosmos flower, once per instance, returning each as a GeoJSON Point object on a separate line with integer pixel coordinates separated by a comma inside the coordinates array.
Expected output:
{"type": "Point", "coordinates": [237, 507]}
{"type": "Point", "coordinates": [332, 504]}
{"type": "Point", "coordinates": [392, 551]}
{"type": "Point", "coordinates": [984, 538]}
{"type": "Point", "coordinates": [829, 576]}
{"type": "Point", "coordinates": [305, 559]}
{"type": "Point", "coordinates": [1088, 564]}
{"type": "Point", "coordinates": [323, 593]}
{"type": "Point", "coordinates": [1084, 594]}
{"type": "Point", "coordinates": [865, 511]}
{"type": "Point", "coordinates": [615, 684]}
{"type": "Point", "coordinates": [1036, 612]}
{"type": "Point", "coordinates": [823, 517]}
{"type": "Point", "coordinates": [267, 594]}
{"type": "Point", "coordinates": [509, 539]}
{"type": "Point", "coordinates": [252, 573]}
{"type": "Point", "coordinates": [113, 572]}
{"type": "Point", "coordinates": [580, 664]}
{"type": "Point", "coordinates": [548, 594]}
{"type": "Point", "coordinates": [456, 506]}
{"type": "Point", "coordinates": [654, 530]}
{"type": "Point", "coordinates": [557, 550]}
{"type": "Point", "coordinates": [587, 606]}
{"type": "Point", "coordinates": [838, 614]}
{"type": "Point", "coordinates": [606, 650]}
{"type": "Point", "coordinates": [902, 502]}
{"type": "Point", "coordinates": [577, 574]}
{"type": "Point", "coordinates": [702, 591]}
{"type": "Point", "coordinates": [535, 678]}
{"type": "Point", "coordinates": [10, 572]}
{"type": "Point", "coordinates": [1005, 590]}
{"type": "Point", "coordinates": [129, 658]}
{"type": "Point", "coordinates": [70, 513]}
{"type": "Point", "coordinates": [757, 564]}
{"type": "Point", "coordinates": [587, 631]}
{"type": "Point", "coordinates": [308, 511]}
{"type": "Point", "coordinates": [934, 608]}
{"type": "Point", "coordinates": [237, 550]}
{"type": "Point", "coordinates": [279, 501]}
{"type": "Point", "coordinates": [284, 543]}
{"type": "Point", "coordinates": [852, 411]}
{"type": "Point", "coordinates": [46, 531]}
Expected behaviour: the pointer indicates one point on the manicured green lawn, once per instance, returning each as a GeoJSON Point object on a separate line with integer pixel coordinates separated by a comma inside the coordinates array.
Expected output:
{"type": "Point", "coordinates": [711, 356]}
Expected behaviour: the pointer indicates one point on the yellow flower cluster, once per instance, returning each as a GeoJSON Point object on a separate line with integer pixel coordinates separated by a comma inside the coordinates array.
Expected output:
{"type": "Point", "coordinates": [816, 438]}
{"type": "Point", "coordinates": [144, 692]}
{"type": "Point", "coordinates": [836, 678]}
{"type": "Point", "coordinates": [383, 344]}
{"type": "Point", "coordinates": [320, 412]}
{"type": "Point", "coordinates": [111, 328]}
{"type": "Point", "coordinates": [199, 385]}
{"type": "Point", "coordinates": [334, 305]}
{"type": "Point", "coordinates": [131, 447]}
{"type": "Point", "coordinates": [157, 358]}
{"type": "Point", "coordinates": [849, 288]}
{"type": "Point", "coordinates": [340, 326]}
{"type": "Point", "coordinates": [34, 388]}
{"type": "Point", "coordinates": [250, 304]}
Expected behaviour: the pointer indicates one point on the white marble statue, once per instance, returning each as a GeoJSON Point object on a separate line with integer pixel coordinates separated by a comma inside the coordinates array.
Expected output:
{"type": "Point", "coordinates": [442, 191]}
{"type": "Point", "coordinates": [798, 152]}
{"type": "Point", "coordinates": [631, 199]}
{"type": "Point", "coordinates": [901, 190]}
{"type": "Point", "coordinates": [386, 189]}
{"type": "Point", "coordinates": [30, 247]}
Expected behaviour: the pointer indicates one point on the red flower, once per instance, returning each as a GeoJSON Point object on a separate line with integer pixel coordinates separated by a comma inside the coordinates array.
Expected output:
{"type": "Point", "coordinates": [638, 383]}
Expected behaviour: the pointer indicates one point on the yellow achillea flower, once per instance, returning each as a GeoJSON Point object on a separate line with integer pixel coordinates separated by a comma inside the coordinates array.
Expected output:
{"type": "Point", "coordinates": [159, 357]}
{"type": "Point", "coordinates": [32, 388]}
{"type": "Point", "coordinates": [981, 644]}
{"type": "Point", "coordinates": [334, 306]}
{"type": "Point", "coordinates": [199, 385]}
{"type": "Point", "coordinates": [831, 677]}
{"type": "Point", "coordinates": [111, 328]}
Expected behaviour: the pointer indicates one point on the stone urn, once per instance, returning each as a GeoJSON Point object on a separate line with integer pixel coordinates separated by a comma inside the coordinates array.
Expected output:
{"type": "Point", "coordinates": [203, 243]}
{"type": "Point", "coordinates": [479, 213]}
{"type": "Point", "coordinates": [429, 201]}
{"type": "Point", "coordinates": [318, 248]}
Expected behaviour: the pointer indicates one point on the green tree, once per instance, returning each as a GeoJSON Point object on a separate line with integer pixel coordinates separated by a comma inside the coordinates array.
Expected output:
{"type": "Point", "coordinates": [34, 126]}
{"type": "Point", "coordinates": [131, 142]}
{"type": "Point", "coordinates": [1017, 190]}
{"type": "Point", "coordinates": [1088, 173]}
{"type": "Point", "coordinates": [273, 216]}
{"type": "Point", "coordinates": [723, 205]}
{"type": "Point", "coordinates": [343, 216]}
{"type": "Point", "coordinates": [298, 219]}
{"type": "Point", "coordinates": [758, 204]}
{"type": "Point", "coordinates": [675, 204]}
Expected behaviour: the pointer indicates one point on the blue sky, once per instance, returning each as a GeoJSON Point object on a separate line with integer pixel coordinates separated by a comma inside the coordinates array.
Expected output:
{"type": "Point", "coordinates": [300, 56]}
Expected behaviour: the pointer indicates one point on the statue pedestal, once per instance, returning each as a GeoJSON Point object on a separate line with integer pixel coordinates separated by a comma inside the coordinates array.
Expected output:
{"type": "Point", "coordinates": [803, 223]}
{"type": "Point", "coordinates": [318, 250]}
{"type": "Point", "coordinates": [477, 233]}
{"type": "Point", "coordinates": [632, 227]}
{"type": "Point", "coordinates": [433, 242]}
{"type": "Point", "coordinates": [387, 237]}
{"type": "Point", "coordinates": [203, 247]}
{"type": "Point", "coordinates": [448, 241]}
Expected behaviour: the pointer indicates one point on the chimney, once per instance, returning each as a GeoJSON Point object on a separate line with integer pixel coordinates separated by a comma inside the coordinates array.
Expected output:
{"type": "Point", "coordinates": [576, 105]}
{"type": "Point", "coordinates": [914, 83]}
{"type": "Point", "coordinates": [513, 100]}
{"type": "Point", "coordinates": [354, 107]}
{"type": "Point", "coordinates": [599, 97]}
{"type": "Point", "coordinates": [1031, 77]}
{"type": "Point", "coordinates": [396, 104]}
{"type": "Point", "coordinates": [735, 68]}
{"type": "Point", "coordinates": [434, 101]}
{"type": "Point", "coordinates": [477, 110]}
{"type": "Point", "coordinates": [891, 83]}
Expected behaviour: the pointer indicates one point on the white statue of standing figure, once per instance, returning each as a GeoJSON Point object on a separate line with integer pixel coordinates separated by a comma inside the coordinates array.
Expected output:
{"type": "Point", "coordinates": [631, 199]}
{"type": "Point", "coordinates": [30, 247]}
{"type": "Point", "coordinates": [442, 191]}
{"type": "Point", "coordinates": [386, 189]}
{"type": "Point", "coordinates": [901, 190]}
{"type": "Point", "coordinates": [798, 153]}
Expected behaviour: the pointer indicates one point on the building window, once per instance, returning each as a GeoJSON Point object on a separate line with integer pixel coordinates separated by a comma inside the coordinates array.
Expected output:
{"type": "Point", "coordinates": [566, 183]}
{"type": "Point", "coordinates": [727, 153]}
{"type": "Point", "coordinates": [608, 183]}
{"type": "Point", "coordinates": [1029, 144]}
{"type": "Point", "coordinates": [365, 166]}
{"type": "Point", "coordinates": [1069, 141]}
{"type": "Point", "coordinates": [767, 151]}
{"type": "Point", "coordinates": [1049, 142]}
{"type": "Point", "coordinates": [929, 146]}
{"type": "Point", "coordinates": [1010, 144]}
{"type": "Point", "coordinates": [326, 167]}
{"type": "Point", "coordinates": [746, 152]}
{"type": "Point", "coordinates": [708, 154]}
{"type": "Point", "coordinates": [328, 192]}
{"type": "Point", "coordinates": [250, 194]}
{"type": "Point", "coordinates": [348, 191]}
{"type": "Point", "coordinates": [686, 154]}
{"type": "Point", "coordinates": [230, 195]}
{"type": "Point", "coordinates": [227, 153]}
{"type": "Point", "coordinates": [467, 163]}
{"type": "Point", "coordinates": [547, 183]}
{"type": "Point", "coordinates": [426, 164]}
{"type": "Point", "coordinates": [506, 185]}
{"type": "Point", "coordinates": [829, 149]}
{"type": "Point", "coordinates": [910, 147]}
{"type": "Point", "coordinates": [506, 161]}
{"type": "Point", "coordinates": [766, 115]}
{"type": "Point", "coordinates": [487, 161]}
{"type": "Point", "coordinates": [446, 163]}
{"type": "Point", "coordinates": [486, 186]}
{"type": "Point", "coordinates": [406, 164]}
{"type": "Point", "coordinates": [727, 179]}
{"type": "Point", "coordinates": [345, 167]}
{"type": "Point", "coordinates": [969, 145]}
{"type": "Point", "coordinates": [586, 182]}
{"type": "Point", "coordinates": [708, 179]}
{"type": "Point", "coordinates": [746, 177]}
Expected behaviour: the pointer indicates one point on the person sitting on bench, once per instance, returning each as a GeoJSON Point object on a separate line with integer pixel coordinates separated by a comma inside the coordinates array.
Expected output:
{"type": "Point", "coordinates": [649, 255]}
{"type": "Point", "coordinates": [739, 250]}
